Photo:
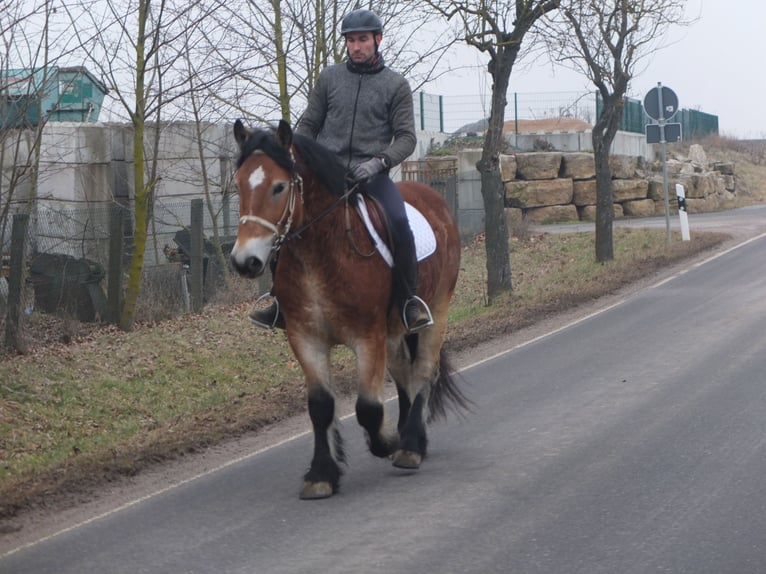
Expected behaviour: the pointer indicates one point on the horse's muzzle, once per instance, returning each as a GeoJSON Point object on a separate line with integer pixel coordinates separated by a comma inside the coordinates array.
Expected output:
{"type": "Point", "coordinates": [250, 267]}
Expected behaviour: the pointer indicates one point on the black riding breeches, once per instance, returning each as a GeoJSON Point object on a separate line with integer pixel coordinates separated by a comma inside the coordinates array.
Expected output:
{"type": "Point", "coordinates": [383, 189]}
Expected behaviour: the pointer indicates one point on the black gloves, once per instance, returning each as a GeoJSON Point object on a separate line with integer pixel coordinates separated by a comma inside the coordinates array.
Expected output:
{"type": "Point", "coordinates": [367, 169]}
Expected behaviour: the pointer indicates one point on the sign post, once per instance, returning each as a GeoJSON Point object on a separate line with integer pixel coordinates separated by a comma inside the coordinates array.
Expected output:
{"type": "Point", "coordinates": [661, 104]}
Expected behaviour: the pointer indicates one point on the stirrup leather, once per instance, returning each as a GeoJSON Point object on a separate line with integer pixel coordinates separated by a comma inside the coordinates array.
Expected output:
{"type": "Point", "coordinates": [262, 324]}
{"type": "Point", "coordinates": [424, 307]}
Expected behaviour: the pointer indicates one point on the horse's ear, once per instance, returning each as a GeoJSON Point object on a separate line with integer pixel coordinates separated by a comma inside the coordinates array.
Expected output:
{"type": "Point", "coordinates": [284, 134]}
{"type": "Point", "coordinates": [241, 134]}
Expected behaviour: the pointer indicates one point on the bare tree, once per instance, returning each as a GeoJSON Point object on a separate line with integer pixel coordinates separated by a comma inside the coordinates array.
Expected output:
{"type": "Point", "coordinates": [27, 40]}
{"type": "Point", "coordinates": [197, 102]}
{"type": "Point", "coordinates": [290, 42]}
{"type": "Point", "coordinates": [141, 48]}
{"type": "Point", "coordinates": [607, 41]}
{"type": "Point", "coordinates": [496, 28]}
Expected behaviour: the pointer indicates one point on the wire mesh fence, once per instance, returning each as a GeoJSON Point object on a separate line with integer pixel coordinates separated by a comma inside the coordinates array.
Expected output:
{"type": "Point", "coordinates": [469, 113]}
{"type": "Point", "coordinates": [69, 250]}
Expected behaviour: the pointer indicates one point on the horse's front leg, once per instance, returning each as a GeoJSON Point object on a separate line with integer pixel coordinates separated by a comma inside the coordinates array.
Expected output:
{"type": "Point", "coordinates": [370, 411]}
{"type": "Point", "coordinates": [323, 477]}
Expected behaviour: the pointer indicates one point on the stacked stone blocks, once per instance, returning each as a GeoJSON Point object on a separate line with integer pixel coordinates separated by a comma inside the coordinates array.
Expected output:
{"type": "Point", "coordinates": [546, 187]}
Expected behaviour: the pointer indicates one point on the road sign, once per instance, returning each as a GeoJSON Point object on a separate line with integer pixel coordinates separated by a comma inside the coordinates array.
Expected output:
{"type": "Point", "coordinates": [672, 133]}
{"type": "Point", "coordinates": [661, 103]}
{"type": "Point", "coordinates": [654, 133]}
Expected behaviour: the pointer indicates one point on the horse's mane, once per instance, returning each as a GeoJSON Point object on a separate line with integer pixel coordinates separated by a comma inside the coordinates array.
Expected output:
{"type": "Point", "coordinates": [317, 158]}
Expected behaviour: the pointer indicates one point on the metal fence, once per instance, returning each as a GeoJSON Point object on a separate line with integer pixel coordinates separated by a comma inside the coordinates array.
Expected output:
{"type": "Point", "coordinates": [469, 113]}
{"type": "Point", "coordinates": [694, 123]}
{"type": "Point", "coordinates": [70, 251]}
{"type": "Point", "coordinates": [85, 232]}
{"type": "Point", "coordinates": [439, 173]}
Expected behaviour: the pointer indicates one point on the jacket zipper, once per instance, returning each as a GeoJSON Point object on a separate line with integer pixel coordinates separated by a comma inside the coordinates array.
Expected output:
{"type": "Point", "coordinates": [353, 122]}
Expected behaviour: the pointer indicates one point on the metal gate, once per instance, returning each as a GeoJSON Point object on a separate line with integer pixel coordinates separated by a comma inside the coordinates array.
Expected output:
{"type": "Point", "coordinates": [439, 173]}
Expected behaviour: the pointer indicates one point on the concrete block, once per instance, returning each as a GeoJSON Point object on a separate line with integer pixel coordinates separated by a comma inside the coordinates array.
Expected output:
{"type": "Point", "coordinates": [551, 214]}
{"type": "Point", "coordinates": [578, 166]}
{"type": "Point", "coordinates": [584, 192]}
{"type": "Point", "coordinates": [538, 193]}
{"type": "Point", "coordinates": [538, 165]}
{"type": "Point", "coordinates": [627, 189]}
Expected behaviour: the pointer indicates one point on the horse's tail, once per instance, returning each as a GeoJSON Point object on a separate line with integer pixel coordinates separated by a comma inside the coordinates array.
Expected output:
{"type": "Point", "coordinates": [445, 393]}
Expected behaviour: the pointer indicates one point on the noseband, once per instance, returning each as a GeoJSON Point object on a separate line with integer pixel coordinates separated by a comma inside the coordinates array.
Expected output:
{"type": "Point", "coordinates": [285, 221]}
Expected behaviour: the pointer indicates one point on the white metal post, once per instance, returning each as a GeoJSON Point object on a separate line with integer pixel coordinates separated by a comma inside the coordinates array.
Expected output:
{"type": "Point", "coordinates": [682, 214]}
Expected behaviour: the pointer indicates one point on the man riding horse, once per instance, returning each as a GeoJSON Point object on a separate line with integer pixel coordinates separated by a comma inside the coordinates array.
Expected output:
{"type": "Point", "coordinates": [363, 111]}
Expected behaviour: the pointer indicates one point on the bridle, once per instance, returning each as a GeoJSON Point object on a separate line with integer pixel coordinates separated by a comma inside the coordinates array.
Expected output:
{"type": "Point", "coordinates": [285, 221]}
{"type": "Point", "coordinates": [281, 230]}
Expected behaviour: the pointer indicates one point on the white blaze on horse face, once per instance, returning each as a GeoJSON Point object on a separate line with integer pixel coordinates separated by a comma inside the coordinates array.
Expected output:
{"type": "Point", "coordinates": [256, 178]}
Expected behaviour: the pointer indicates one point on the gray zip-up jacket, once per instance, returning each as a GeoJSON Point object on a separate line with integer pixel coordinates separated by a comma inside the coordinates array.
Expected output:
{"type": "Point", "coordinates": [361, 115]}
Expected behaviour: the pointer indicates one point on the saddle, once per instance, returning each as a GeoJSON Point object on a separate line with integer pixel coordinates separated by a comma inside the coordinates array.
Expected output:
{"type": "Point", "coordinates": [376, 221]}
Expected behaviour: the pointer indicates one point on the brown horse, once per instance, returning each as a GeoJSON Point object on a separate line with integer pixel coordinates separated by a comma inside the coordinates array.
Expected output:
{"type": "Point", "coordinates": [334, 290]}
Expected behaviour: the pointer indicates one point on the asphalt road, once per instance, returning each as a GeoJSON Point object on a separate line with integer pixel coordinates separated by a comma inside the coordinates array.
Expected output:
{"type": "Point", "coordinates": [631, 441]}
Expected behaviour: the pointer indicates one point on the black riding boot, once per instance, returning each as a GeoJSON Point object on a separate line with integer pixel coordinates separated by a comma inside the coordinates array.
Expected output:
{"type": "Point", "coordinates": [268, 317]}
{"type": "Point", "coordinates": [415, 312]}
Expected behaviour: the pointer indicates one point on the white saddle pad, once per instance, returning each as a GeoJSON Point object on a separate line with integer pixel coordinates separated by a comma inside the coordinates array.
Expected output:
{"type": "Point", "coordinates": [425, 240]}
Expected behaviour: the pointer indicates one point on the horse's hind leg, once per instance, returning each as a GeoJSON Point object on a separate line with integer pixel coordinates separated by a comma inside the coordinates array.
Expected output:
{"type": "Point", "coordinates": [413, 440]}
{"type": "Point", "coordinates": [413, 378]}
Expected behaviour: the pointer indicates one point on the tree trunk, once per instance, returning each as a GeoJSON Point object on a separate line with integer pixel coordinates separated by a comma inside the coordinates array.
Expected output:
{"type": "Point", "coordinates": [602, 136]}
{"type": "Point", "coordinates": [495, 225]}
{"type": "Point", "coordinates": [135, 272]}
{"type": "Point", "coordinates": [604, 201]}
{"type": "Point", "coordinates": [281, 61]}
{"type": "Point", "coordinates": [496, 232]}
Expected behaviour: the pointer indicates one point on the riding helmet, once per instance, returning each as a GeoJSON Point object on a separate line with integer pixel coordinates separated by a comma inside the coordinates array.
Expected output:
{"type": "Point", "coordinates": [361, 21]}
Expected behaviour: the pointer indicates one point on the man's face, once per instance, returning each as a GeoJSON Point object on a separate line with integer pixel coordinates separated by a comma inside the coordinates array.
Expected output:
{"type": "Point", "coordinates": [361, 46]}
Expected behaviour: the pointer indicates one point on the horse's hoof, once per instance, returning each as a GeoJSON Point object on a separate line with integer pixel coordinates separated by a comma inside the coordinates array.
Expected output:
{"type": "Point", "coordinates": [407, 459]}
{"type": "Point", "coordinates": [316, 490]}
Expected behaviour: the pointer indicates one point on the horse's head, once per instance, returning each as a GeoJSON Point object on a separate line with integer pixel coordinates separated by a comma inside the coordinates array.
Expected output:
{"type": "Point", "coordinates": [268, 185]}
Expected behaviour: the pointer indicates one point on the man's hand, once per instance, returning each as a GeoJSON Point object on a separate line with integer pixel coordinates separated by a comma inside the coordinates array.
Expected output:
{"type": "Point", "coordinates": [367, 169]}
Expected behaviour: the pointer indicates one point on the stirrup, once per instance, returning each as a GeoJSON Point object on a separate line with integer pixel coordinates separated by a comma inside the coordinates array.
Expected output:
{"type": "Point", "coordinates": [419, 326]}
{"type": "Point", "coordinates": [255, 311]}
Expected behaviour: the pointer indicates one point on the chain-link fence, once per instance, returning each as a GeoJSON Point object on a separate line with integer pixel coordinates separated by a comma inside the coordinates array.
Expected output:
{"type": "Point", "coordinates": [72, 254]}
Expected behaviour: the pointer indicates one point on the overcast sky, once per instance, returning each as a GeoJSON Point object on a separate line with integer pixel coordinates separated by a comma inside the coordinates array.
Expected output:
{"type": "Point", "coordinates": [716, 66]}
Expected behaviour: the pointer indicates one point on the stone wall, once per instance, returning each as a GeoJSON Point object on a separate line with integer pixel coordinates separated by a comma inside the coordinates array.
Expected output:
{"type": "Point", "coordinates": [547, 187]}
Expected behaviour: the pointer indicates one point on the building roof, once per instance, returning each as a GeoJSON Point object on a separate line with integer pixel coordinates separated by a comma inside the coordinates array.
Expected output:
{"type": "Point", "coordinates": [24, 81]}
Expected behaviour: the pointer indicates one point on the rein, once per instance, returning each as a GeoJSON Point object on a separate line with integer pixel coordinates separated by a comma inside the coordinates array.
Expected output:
{"type": "Point", "coordinates": [343, 198]}
{"type": "Point", "coordinates": [286, 219]}
{"type": "Point", "coordinates": [297, 233]}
